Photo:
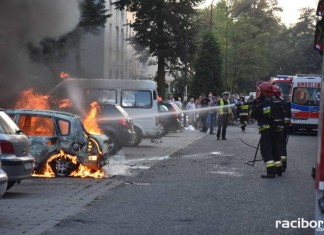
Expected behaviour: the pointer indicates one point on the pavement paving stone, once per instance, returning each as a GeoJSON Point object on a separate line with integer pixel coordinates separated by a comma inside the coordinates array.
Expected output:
{"type": "Point", "coordinates": [39, 204]}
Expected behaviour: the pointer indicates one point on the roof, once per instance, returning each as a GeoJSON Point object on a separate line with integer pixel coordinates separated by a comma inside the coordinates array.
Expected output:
{"type": "Point", "coordinates": [41, 112]}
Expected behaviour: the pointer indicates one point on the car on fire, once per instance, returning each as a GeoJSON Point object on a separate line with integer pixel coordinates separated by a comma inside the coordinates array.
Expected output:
{"type": "Point", "coordinates": [15, 156]}
{"type": "Point", "coordinates": [59, 141]}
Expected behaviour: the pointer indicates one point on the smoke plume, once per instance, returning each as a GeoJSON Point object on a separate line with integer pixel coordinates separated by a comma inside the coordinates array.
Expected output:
{"type": "Point", "coordinates": [24, 22]}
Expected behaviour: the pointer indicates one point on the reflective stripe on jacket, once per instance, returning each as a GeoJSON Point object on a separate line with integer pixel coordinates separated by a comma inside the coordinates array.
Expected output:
{"type": "Point", "coordinates": [222, 110]}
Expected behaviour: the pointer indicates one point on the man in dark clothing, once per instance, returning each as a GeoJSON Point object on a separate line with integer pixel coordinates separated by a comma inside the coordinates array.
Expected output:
{"type": "Point", "coordinates": [287, 117]}
{"type": "Point", "coordinates": [204, 113]}
{"type": "Point", "coordinates": [269, 114]}
{"type": "Point", "coordinates": [243, 113]}
{"type": "Point", "coordinates": [224, 115]}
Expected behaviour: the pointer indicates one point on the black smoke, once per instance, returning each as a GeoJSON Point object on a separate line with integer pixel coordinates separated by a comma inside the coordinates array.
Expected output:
{"type": "Point", "coordinates": [24, 23]}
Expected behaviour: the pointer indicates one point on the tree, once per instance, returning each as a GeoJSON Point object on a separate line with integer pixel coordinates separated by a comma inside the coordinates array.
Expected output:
{"type": "Point", "coordinates": [208, 68]}
{"type": "Point", "coordinates": [161, 26]}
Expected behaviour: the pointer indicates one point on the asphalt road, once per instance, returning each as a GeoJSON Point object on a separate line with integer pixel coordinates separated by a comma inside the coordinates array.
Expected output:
{"type": "Point", "coordinates": [206, 188]}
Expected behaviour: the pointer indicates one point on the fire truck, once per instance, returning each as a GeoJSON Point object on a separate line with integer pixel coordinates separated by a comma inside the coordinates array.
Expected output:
{"type": "Point", "coordinates": [283, 82]}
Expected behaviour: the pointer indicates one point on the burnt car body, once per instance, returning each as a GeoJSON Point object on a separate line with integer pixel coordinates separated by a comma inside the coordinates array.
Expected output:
{"type": "Point", "coordinates": [169, 117]}
{"type": "Point", "coordinates": [16, 160]}
{"type": "Point", "coordinates": [53, 132]}
{"type": "Point", "coordinates": [117, 125]}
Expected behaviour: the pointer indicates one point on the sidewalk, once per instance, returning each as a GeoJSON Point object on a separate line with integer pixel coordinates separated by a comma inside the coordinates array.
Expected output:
{"type": "Point", "coordinates": [38, 204]}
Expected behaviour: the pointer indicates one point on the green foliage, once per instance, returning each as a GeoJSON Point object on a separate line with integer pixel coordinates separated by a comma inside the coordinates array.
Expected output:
{"type": "Point", "coordinates": [164, 27]}
{"type": "Point", "coordinates": [208, 68]}
{"type": "Point", "coordinates": [256, 45]}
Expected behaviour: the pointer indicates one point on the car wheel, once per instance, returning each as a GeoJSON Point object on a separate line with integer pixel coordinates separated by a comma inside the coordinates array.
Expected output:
{"type": "Point", "coordinates": [162, 129]}
{"type": "Point", "coordinates": [113, 146]}
{"type": "Point", "coordinates": [138, 137]}
{"type": "Point", "coordinates": [63, 167]}
{"type": "Point", "coordinates": [10, 184]}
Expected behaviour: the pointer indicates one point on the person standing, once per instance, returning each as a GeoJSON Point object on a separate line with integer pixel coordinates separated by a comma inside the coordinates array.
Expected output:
{"type": "Point", "coordinates": [212, 114]}
{"type": "Point", "coordinates": [224, 115]}
{"type": "Point", "coordinates": [285, 135]}
{"type": "Point", "coordinates": [190, 107]}
{"type": "Point", "coordinates": [204, 112]}
{"type": "Point", "coordinates": [268, 112]}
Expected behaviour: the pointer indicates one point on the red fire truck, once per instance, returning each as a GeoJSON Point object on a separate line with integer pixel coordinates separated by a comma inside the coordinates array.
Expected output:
{"type": "Point", "coordinates": [283, 82]}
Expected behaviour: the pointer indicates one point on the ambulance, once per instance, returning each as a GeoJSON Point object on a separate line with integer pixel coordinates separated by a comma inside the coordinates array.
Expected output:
{"type": "Point", "coordinates": [305, 94]}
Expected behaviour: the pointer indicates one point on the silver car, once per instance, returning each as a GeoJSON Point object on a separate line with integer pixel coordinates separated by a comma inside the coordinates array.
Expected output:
{"type": "Point", "coordinates": [3, 181]}
{"type": "Point", "coordinates": [15, 156]}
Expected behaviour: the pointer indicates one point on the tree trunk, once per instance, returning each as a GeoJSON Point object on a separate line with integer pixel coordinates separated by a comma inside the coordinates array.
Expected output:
{"type": "Point", "coordinates": [160, 79]}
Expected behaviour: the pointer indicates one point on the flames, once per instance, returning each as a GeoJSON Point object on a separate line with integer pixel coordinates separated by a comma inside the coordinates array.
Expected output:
{"type": "Point", "coordinates": [90, 122]}
{"type": "Point", "coordinates": [81, 171]}
{"type": "Point", "coordinates": [64, 75]}
{"type": "Point", "coordinates": [31, 100]}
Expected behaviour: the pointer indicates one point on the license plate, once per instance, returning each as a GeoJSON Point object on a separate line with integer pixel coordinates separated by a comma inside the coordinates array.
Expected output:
{"type": "Point", "coordinates": [28, 166]}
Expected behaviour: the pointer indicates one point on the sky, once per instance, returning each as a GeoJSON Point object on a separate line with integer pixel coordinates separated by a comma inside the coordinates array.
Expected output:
{"type": "Point", "coordinates": [290, 8]}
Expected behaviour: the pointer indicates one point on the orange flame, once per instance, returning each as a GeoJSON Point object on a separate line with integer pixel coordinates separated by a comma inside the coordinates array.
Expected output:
{"type": "Point", "coordinates": [64, 75]}
{"type": "Point", "coordinates": [64, 103]}
{"type": "Point", "coordinates": [82, 171]}
{"type": "Point", "coordinates": [90, 122]}
{"type": "Point", "coordinates": [31, 100]}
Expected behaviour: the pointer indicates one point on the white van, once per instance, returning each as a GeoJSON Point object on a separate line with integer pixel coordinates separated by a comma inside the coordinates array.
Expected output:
{"type": "Point", "coordinates": [137, 97]}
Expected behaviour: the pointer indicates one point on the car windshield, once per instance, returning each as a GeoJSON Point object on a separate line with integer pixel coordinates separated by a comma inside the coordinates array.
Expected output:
{"type": "Point", "coordinates": [7, 125]}
{"type": "Point", "coordinates": [306, 96]}
{"type": "Point", "coordinates": [284, 87]}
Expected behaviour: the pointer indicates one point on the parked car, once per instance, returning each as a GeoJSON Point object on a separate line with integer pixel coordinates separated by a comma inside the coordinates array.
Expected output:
{"type": "Point", "coordinates": [117, 125]}
{"type": "Point", "coordinates": [14, 151]}
{"type": "Point", "coordinates": [51, 132]}
{"type": "Point", "coordinates": [169, 117]}
{"type": "Point", "coordinates": [3, 181]}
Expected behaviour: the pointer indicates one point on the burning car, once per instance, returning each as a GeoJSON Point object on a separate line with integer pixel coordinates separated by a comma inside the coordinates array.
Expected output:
{"type": "Point", "coordinates": [60, 144]}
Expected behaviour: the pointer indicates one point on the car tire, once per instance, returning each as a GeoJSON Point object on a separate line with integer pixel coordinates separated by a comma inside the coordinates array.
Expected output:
{"type": "Point", "coordinates": [63, 167]}
{"type": "Point", "coordinates": [113, 146]}
{"type": "Point", "coordinates": [138, 137]}
{"type": "Point", "coordinates": [162, 129]}
{"type": "Point", "coordinates": [10, 184]}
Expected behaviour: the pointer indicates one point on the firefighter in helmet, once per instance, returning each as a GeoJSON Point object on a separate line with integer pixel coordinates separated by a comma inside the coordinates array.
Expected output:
{"type": "Point", "coordinates": [287, 117]}
{"type": "Point", "coordinates": [243, 112]}
{"type": "Point", "coordinates": [268, 112]}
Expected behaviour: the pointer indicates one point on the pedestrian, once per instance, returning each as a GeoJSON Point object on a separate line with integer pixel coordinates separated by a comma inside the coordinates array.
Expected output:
{"type": "Point", "coordinates": [212, 114]}
{"type": "Point", "coordinates": [268, 112]}
{"type": "Point", "coordinates": [204, 112]}
{"type": "Point", "coordinates": [224, 114]}
{"type": "Point", "coordinates": [286, 128]}
{"type": "Point", "coordinates": [243, 113]}
{"type": "Point", "coordinates": [233, 101]}
{"type": "Point", "coordinates": [177, 102]}
{"type": "Point", "coordinates": [191, 107]}
{"type": "Point", "coordinates": [198, 107]}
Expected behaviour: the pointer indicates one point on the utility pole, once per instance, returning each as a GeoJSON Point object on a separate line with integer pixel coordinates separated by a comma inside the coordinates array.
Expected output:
{"type": "Point", "coordinates": [211, 15]}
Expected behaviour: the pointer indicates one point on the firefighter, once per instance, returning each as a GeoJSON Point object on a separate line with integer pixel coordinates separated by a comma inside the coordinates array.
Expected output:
{"type": "Point", "coordinates": [268, 112]}
{"type": "Point", "coordinates": [243, 112]}
{"type": "Point", "coordinates": [287, 117]}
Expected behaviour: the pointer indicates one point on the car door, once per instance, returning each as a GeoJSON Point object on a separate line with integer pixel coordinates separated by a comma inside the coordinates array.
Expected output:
{"type": "Point", "coordinates": [42, 134]}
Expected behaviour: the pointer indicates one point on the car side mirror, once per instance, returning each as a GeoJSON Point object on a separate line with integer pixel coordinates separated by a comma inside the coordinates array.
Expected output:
{"type": "Point", "coordinates": [319, 36]}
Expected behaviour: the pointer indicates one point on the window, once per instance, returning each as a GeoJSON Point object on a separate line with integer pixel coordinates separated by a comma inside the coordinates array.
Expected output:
{"type": "Point", "coordinates": [64, 127]}
{"type": "Point", "coordinates": [101, 95]}
{"type": "Point", "coordinates": [36, 125]}
{"type": "Point", "coordinates": [136, 99]}
{"type": "Point", "coordinates": [306, 96]}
